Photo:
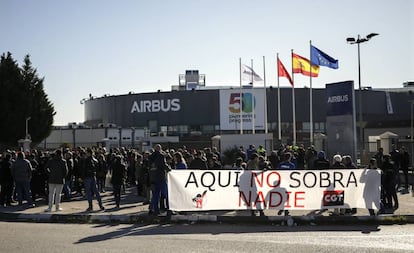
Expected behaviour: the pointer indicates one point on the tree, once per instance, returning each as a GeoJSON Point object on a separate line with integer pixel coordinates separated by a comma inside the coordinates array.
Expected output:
{"type": "Point", "coordinates": [22, 96]}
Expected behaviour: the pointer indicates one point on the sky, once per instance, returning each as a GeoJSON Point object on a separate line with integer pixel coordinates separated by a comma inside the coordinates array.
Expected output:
{"type": "Point", "coordinates": [103, 47]}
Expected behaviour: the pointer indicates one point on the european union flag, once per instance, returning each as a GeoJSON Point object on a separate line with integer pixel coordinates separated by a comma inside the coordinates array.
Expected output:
{"type": "Point", "coordinates": [321, 59]}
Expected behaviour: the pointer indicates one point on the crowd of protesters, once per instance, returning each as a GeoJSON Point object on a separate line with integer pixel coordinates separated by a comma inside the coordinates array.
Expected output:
{"type": "Point", "coordinates": [26, 176]}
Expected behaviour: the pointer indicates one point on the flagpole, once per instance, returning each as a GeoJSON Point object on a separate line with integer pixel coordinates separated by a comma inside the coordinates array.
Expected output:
{"type": "Point", "coordinates": [278, 103]}
{"type": "Point", "coordinates": [265, 95]}
{"type": "Point", "coordinates": [253, 109]}
{"type": "Point", "coordinates": [293, 105]}
{"type": "Point", "coordinates": [241, 99]}
{"type": "Point", "coordinates": [310, 97]}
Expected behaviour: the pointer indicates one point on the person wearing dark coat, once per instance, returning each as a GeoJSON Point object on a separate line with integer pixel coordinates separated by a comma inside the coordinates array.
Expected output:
{"type": "Point", "coordinates": [158, 178]}
{"type": "Point", "coordinates": [404, 163]}
{"type": "Point", "coordinates": [337, 162]}
{"type": "Point", "coordinates": [6, 181]}
{"type": "Point", "coordinates": [388, 181]}
{"type": "Point", "coordinates": [321, 162]}
{"type": "Point", "coordinates": [67, 188]}
{"type": "Point", "coordinates": [22, 175]}
{"type": "Point", "coordinates": [274, 159]}
{"type": "Point", "coordinates": [57, 170]}
{"type": "Point", "coordinates": [348, 163]}
{"type": "Point", "coordinates": [199, 162]}
{"type": "Point", "coordinates": [119, 172]}
{"type": "Point", "coordinates": [88, 173]}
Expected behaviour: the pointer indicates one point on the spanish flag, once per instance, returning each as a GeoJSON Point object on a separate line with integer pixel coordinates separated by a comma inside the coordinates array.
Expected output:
{"type": "Point", "coordinates": [302, 65]}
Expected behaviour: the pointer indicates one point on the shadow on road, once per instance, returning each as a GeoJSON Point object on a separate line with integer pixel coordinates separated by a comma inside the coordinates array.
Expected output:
{"type": "Point", "coordinates": [179, 229]}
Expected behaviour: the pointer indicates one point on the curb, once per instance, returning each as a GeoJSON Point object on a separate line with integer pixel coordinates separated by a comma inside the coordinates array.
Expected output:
{"type": "Point", "coordinates": [263, 220]}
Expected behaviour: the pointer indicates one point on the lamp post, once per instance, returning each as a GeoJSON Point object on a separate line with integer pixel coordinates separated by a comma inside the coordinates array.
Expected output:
{"type": "Point", "coordinates": [412, 130]}
{"type": "Point", "coordinates": [27, 127]}
{"type": "Point", "coordinates": [359, 40]}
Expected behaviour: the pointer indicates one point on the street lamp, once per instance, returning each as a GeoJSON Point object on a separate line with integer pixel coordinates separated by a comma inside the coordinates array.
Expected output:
{"type": "Point", "coordinates": [412, 128]}
{"type": "Point", "coordinates": [359, 40]}
{"type": "Point", "coordinates": [27, 127]}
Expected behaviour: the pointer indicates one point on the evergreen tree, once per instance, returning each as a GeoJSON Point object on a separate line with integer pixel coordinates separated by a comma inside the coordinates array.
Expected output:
{"type": "Point", "coordinates": [22, 96]}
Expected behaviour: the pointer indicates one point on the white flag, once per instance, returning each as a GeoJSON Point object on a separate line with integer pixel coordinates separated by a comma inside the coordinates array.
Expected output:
{"type": "Point", "coordinates": [248, 74]}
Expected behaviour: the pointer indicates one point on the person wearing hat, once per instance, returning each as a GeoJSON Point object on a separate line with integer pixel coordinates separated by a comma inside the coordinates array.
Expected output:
{"type": "Point", "coordinates": [337, 162]}
{"type": "Point", "coordinates": [321, 162]}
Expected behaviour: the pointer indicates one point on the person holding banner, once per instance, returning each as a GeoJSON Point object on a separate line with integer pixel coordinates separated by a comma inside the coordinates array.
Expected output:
{"type": "Point", "coordinates": [158, 178]}
{"type": "Point", "coordinates": [348, 163]}
{"type": "Point", "coordinates": [253, 164]}
{"type": "Point", "coordinates": [286, 164]}
{"type": "Point", "coordinates": [372, 166]}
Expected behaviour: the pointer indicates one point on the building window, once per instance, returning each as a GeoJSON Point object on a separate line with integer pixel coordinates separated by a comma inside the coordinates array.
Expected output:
{"type": "Point", "coordinates": [306, 126]}
{"type": "Point", "coordinates": [317, 126]}
{"type": "Point", "coordinates": [207, 129]}
{"type": "Point", "coordinates": [183, 129]}
{"type": "Point", "coordinates": [153, 126]}
{"type": "Point", "coordinates": [320, 126]}
{"type": "Point", "coordinates": [173, 129]}
{"type": "Point", "coordinates": [195, 128]}
{"type": "Point", "coordinates": [286, 128]}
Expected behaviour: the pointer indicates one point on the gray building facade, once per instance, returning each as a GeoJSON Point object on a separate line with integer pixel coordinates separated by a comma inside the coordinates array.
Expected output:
{"type": "Point", "coordinates": [194, 112]}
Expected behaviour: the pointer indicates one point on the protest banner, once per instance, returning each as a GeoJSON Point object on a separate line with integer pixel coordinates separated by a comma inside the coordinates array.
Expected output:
{"type": "Point", "coordinates": [202, 190]}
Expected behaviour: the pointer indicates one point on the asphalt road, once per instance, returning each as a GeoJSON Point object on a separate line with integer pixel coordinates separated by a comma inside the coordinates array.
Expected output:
{"type": "Point", "coordinates": [43, 238]}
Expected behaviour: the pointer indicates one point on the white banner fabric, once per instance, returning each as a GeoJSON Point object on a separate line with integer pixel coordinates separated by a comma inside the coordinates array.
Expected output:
{"type": "Point", "coordinates": [202, 190]}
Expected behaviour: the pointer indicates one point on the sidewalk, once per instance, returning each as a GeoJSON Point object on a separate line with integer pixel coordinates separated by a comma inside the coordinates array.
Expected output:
{"type": "Point", "coordinates": [134, 211]}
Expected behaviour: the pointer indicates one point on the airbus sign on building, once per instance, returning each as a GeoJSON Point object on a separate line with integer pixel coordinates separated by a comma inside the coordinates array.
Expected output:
{"type": "Point", "coordinates": [156, 105]}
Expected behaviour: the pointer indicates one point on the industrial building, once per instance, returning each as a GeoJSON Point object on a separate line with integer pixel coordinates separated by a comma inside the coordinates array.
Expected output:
{"type": "Point", "coordinates": [192, 113]}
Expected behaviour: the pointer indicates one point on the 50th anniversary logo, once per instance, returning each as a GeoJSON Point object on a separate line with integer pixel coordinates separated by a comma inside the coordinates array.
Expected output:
{"type": "Point", "coordinates": [247, 105]}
